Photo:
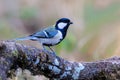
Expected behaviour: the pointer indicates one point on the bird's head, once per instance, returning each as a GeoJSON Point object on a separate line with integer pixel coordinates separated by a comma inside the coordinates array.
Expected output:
{"type": "Point", "coordinates": [63, 24]}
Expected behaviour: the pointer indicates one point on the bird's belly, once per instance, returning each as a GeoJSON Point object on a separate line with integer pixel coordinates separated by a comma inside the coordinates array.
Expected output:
{"type": "Point", "coordinates": [52, 41]}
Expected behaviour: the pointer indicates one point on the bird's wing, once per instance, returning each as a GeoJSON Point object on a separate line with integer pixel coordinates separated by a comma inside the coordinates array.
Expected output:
{"type": "Point", "coordinates": [46, 33]}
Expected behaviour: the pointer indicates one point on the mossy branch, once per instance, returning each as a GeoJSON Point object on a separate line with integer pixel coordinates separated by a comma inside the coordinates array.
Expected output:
{"type": "Point", "coordinates": [40, 62]}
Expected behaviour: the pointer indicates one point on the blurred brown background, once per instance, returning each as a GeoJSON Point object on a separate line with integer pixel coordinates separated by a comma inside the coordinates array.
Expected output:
{"type": "Point", "coordinates": [93, 36]}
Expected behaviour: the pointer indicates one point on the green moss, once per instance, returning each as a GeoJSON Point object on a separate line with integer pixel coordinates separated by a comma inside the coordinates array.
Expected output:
{"type": "Point", "coordinates": [15, 53]}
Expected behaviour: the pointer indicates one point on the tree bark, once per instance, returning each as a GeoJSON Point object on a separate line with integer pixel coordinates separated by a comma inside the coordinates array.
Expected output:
{"type": "Point", "coordinates": [41, 62]}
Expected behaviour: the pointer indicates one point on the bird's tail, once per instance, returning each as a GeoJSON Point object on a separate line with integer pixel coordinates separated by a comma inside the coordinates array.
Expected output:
{"type": "Point", "coordinates": [24, 38]}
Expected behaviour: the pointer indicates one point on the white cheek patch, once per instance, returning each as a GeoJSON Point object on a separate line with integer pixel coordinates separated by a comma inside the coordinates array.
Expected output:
{"type": "Point", "coordinates": [62, 25]}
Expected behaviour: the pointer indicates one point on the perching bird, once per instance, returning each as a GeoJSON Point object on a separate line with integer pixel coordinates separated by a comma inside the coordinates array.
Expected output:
{"type": "Point", "coordinates": [52, 35]}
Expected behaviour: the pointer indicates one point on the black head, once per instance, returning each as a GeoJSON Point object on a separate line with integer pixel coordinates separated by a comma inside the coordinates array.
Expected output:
{"type": "Point", "coordinates": [63, 23]}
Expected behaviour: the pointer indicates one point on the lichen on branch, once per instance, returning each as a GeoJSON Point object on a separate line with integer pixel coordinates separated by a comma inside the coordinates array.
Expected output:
{"type": "Point", "coordinates": [40, 62]}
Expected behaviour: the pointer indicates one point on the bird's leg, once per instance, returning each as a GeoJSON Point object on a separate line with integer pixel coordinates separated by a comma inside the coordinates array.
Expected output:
{"type": "Point", "coordinates": [49, 48]}
{"type": "Point", "coordinates": [44, 47]}
{"type": "Point", "coordinates": [52, 50]}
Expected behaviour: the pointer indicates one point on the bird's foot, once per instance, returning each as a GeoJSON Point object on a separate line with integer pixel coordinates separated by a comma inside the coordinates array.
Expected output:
{"type": "Point", "coordinates": [53, 53]}
{"type": "Point", "coordinates": [49, 51]}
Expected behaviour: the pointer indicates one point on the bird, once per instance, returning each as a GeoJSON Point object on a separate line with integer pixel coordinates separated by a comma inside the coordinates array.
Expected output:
{"type": "Point", "coordinates": [51, 35]}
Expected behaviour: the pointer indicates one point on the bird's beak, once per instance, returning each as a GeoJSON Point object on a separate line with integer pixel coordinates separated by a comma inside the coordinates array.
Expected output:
{"type": "Point", "coordinates": [71, 23]}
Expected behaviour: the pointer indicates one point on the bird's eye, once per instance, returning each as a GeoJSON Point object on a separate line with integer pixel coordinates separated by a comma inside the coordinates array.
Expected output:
{"type": "Point", "coordinates": [61, 25]}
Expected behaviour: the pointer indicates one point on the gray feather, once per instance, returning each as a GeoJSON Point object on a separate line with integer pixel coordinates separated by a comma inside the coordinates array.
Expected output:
{"type": "Point", "coordinates": [51, 32]}
{"type": "Point", "coordinates": [25, 38]}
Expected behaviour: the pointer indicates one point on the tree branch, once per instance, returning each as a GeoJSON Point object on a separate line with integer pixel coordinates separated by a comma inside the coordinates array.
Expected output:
{"type": "Point", "coordinates": [40, 62]}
